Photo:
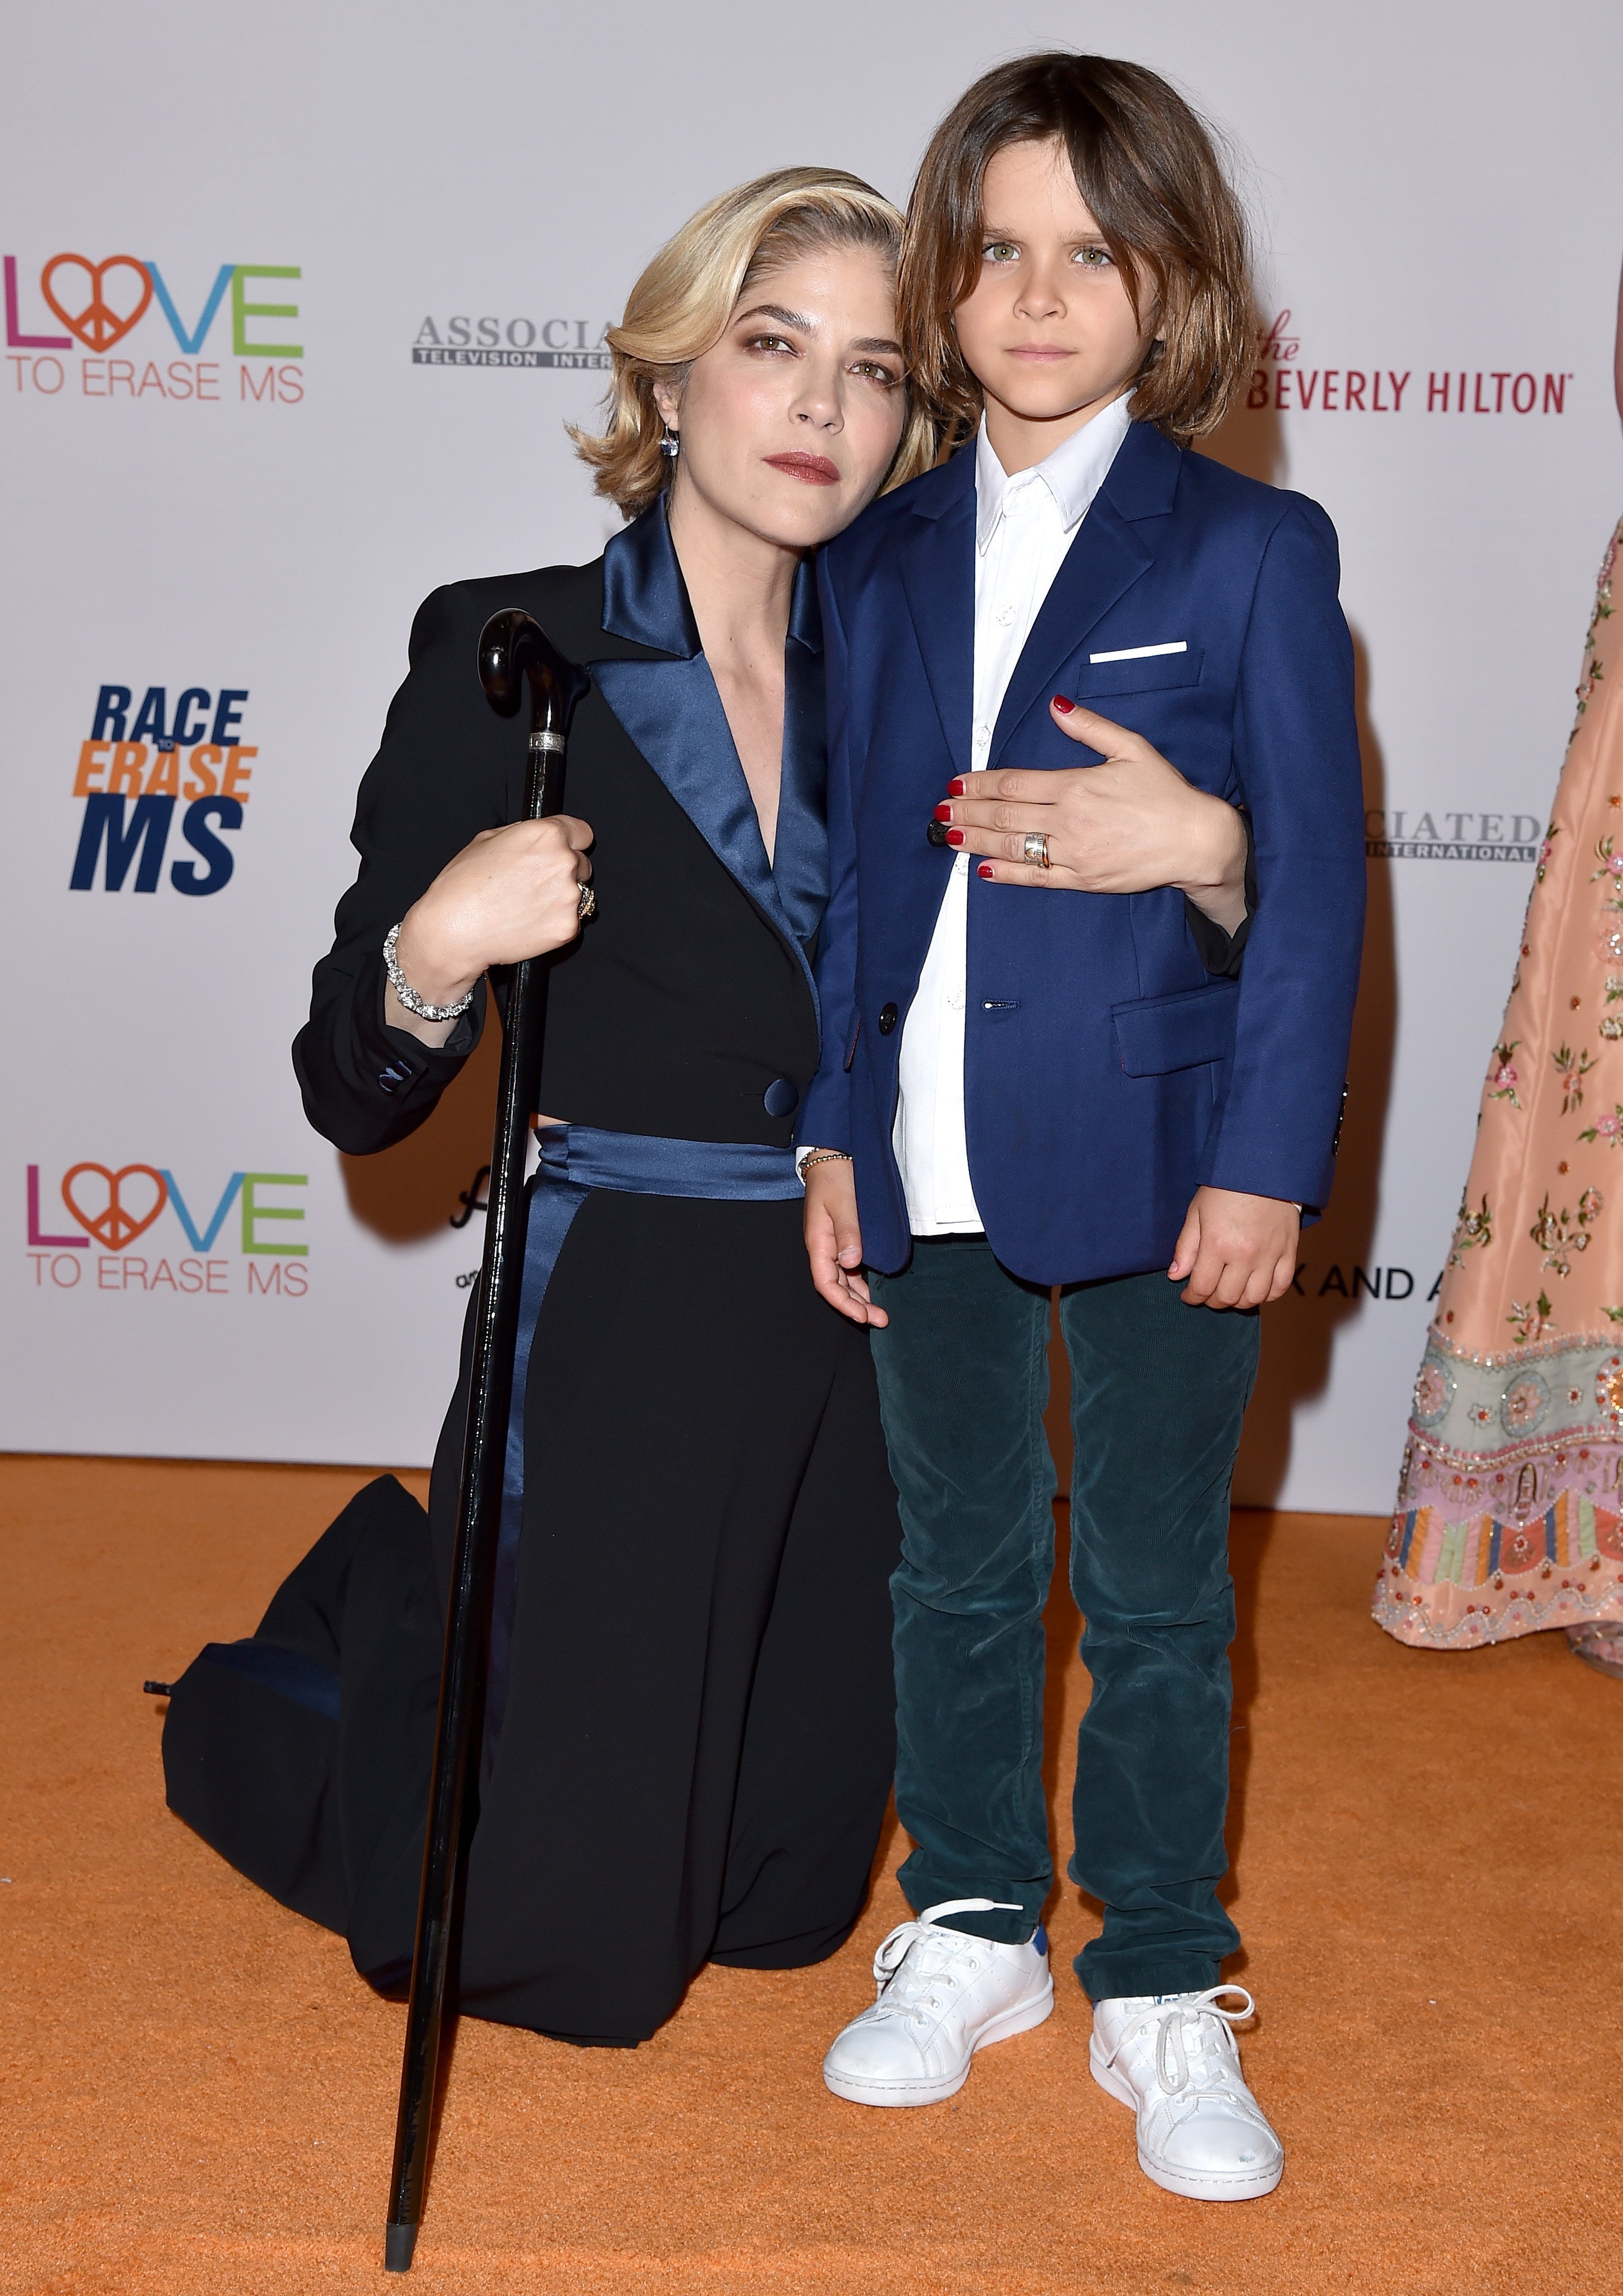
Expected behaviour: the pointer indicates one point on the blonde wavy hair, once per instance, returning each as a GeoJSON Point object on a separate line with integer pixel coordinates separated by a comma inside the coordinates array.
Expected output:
{"type": "Point", "coordinates": [680, 306]}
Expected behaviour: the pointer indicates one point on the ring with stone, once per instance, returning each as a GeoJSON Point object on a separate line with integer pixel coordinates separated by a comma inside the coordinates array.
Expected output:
{"type": "Point", "coordinates": [1036, 848]}
{"type": "Point", "coordinates": [587, 904]}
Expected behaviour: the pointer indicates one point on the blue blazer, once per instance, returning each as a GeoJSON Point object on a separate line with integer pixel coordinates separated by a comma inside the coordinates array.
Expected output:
{"type": "Point", "coordinates": [1107, 1073]}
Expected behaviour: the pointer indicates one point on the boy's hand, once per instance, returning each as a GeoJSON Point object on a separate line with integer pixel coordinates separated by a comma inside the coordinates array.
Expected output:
{"type": "Point", "coordinates": [1236, 1252]}
{"type": "Point", "coordinates": [834, 1243]}
{"type": "Point", "coordinates": [1126, 826]}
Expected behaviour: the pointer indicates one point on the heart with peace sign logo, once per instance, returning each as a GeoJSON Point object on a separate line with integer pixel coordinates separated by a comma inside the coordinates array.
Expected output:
{"type": "Point", "coordinates": [98, 323]}
{"type": "Point", "coordinates": [114, 1226]}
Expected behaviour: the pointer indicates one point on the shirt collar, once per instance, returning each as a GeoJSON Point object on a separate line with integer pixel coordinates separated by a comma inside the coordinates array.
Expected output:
{"type": "Point", "coordinates": [1072, 474]}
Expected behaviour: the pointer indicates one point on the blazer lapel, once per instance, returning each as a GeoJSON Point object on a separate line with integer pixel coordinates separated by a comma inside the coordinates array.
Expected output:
{"type": "Point", "coordinates": [1106, 557]}
{"type": "Point", "coordinates": [673, 713]}
{"type": "Point", "coordinates": [938, 571]}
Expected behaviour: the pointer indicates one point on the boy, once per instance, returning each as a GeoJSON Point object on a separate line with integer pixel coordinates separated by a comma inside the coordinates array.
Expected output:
{"type": "Point", "coordinates": [1045, 1063]}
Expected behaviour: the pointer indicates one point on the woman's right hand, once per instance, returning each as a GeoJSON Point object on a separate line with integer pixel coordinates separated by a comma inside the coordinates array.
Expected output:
{"type": "Point", "coordinates": [514, 892]}
{"type": "Point", "coordinates": [833, 1241]}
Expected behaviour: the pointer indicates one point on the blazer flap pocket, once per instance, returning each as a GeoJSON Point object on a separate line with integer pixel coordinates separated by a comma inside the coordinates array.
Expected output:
{"type": "Point", "coordinates": [1162, 1033]}
{"type": "Point", "coordinates": [1137, 673]}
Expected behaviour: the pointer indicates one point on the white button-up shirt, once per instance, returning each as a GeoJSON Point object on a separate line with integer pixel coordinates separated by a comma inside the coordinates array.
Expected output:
{"type": "Point", "coordinates": [1024, 526]}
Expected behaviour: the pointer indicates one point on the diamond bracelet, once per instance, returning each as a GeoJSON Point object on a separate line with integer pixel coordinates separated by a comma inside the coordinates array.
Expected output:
{"type": "Point", "coordinates": [408, 995]}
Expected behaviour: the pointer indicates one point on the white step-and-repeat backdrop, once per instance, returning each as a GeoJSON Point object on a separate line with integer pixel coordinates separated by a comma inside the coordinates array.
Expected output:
{"type": "Point", "coordinates": [297, 305]}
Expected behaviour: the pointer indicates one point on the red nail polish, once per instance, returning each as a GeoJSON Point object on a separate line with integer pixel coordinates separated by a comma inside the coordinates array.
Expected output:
{"type": "Point", "coordinates": [955, 837]}
{"type": "Point", "coordinates": [983, 868]}
{"type": "Point", "coordinates": [956, 787]}
{"type": "Point", "coordinates": [1063, 704]}
{"type": "Point", "coordinates": [944, 813]}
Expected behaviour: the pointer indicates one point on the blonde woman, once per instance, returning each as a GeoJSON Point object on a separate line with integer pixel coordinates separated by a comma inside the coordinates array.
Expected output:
{"type": "Point", "coordinates": [689, 1734]}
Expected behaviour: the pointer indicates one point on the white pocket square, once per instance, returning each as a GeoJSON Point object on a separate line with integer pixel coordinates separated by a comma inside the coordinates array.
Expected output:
{"type": "Point", "coordinates": [1141, 653]}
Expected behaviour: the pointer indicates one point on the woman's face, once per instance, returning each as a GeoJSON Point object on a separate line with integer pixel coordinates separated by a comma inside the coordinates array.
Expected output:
{"type": "Point", "coordinates": [789, 422]}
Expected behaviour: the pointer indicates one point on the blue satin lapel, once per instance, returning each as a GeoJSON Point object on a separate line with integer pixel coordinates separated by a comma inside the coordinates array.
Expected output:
{"type": "Point", "coordinates": [644, 596]}
{"type": "Point", "coordinates": [1106, 557]}
{"type": "Point", "coordinates": [937, 570]}
{"type": "Point", "coordinates": [674, 714]}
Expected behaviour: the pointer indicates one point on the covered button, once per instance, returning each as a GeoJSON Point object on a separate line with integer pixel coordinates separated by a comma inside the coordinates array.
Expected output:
{"type": "Point", "coordinates": [781, 1097]}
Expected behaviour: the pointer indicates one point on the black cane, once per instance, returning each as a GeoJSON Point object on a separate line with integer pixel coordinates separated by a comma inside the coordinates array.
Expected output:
{"type": "Point", "coordinates": [513, 648]}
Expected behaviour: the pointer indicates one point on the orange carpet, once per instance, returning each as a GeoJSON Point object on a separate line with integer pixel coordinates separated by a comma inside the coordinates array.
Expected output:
{"type": "Point", "coordinates": [199, 2094]}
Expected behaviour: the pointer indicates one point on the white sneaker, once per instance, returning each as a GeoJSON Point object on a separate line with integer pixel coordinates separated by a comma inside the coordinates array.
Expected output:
{"type": "Point", "coordinates": [1173, 2058]}
{"type": "Point", "coordinates": [942, 1995]}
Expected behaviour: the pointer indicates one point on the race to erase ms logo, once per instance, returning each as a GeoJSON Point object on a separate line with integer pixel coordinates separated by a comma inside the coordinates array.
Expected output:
{"type": "Point", "coordinates": [100, 301]}
{"type": "Point", "coordinates": [139, 766]}
{"type": "Point", "coordinates": [105, 1209]}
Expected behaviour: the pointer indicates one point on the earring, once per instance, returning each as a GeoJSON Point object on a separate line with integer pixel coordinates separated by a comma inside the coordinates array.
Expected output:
{"type": "Point", "coordinates": [671, 445]}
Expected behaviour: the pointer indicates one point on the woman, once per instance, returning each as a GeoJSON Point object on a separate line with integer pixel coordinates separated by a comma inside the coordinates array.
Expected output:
{"type": "Point", "coordinates": [689, 1725]}
{"type": "Point", "coordinates": [1509, 1509]}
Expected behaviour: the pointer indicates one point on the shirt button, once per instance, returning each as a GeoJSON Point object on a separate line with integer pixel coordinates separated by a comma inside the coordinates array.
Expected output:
{"type": "Point", "coordinates": [887, 1019]}
{"type": "Point", "coordinates": [1006, 616]}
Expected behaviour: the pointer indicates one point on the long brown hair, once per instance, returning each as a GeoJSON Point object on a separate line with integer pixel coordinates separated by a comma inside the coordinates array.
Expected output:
{"type": "Point", "coordinates": [1148, 168]}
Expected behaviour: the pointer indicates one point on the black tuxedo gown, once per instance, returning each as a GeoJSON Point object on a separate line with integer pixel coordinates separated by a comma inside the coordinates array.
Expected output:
{"type": "Point", "coordinates": [697, 1736]}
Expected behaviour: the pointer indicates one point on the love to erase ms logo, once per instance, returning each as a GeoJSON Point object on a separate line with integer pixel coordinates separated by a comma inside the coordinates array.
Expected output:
{"type": "Point", "coordinates": [113, 1206]}
{"type": "Point", "coordinates": [139, 765]}
{"type": "Point", "coordinates": [101, 299]}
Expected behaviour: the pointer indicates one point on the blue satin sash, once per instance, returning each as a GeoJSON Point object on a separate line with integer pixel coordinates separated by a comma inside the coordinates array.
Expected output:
{"type": "Point", "coordinates": [575, 1160]}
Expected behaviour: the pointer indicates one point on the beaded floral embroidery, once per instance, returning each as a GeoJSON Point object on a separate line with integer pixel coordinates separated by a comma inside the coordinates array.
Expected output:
{"type": "Point", "coordinates": [1504, 1077]}
{"type": "Point", "coordinates": [1509, 1516]}
{"type": "Point", "coordinates": [1571, 1068]}
{"type": "Point", "coordinates": [1473, 1231]}
{"type": "Point", "coordinates": [1559, 1236]}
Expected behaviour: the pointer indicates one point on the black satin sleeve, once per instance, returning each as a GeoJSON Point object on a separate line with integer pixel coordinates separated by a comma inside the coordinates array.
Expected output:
{"type": "Point", "coordinates": [1220, 952]}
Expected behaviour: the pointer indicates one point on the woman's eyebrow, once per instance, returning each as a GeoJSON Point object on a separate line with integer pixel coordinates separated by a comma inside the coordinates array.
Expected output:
{"type": "Point", "coordinates": [784, 318]}
{"type": "Point", "coordinates": [880, 343]}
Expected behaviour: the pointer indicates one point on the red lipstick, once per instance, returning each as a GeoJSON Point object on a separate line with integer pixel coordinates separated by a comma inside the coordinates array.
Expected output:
{"type": "Point", "coordinates": [811, 469]}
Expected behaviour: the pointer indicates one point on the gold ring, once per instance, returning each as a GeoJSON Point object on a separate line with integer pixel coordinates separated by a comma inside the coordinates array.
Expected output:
{"type": "Point", "coordinates": [587, 904]}
{"type": "Point", "coordinates": [1036, 848]}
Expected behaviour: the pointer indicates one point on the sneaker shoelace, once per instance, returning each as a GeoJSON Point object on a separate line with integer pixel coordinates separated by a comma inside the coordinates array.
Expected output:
{"type": "Point", "coordinates": [915, 1959]}
{"type": "Point", "coordinates": [1190, 2057]}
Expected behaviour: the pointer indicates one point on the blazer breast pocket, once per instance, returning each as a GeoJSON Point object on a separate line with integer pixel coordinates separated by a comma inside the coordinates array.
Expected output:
{"type": "Point", "coordinates": [1135, 673]}
{"type": "Point", "coordinates": [1158, 1034]}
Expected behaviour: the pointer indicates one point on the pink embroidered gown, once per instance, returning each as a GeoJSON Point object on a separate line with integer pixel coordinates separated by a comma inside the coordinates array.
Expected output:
{"type": "Point", "coordinates": [1509, 1507]}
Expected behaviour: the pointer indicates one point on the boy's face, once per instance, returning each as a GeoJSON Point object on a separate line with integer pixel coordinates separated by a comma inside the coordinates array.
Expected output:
{"type": "Point", "coordinates": [1049, 331]}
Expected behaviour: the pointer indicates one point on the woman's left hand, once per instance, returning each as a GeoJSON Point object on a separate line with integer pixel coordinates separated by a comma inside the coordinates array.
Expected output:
{"type": "Point", "coordinates": [1126, 826]}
